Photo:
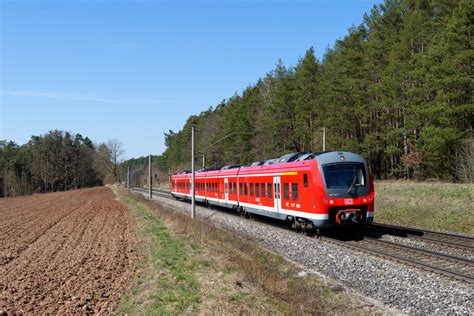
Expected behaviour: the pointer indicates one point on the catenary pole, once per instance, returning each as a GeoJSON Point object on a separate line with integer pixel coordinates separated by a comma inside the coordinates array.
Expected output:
{"type": "Point", "coordinates": [193, 206]}
{"type": "Point", "coordinates": [169, 178]}
{"type": "Point", "coordinates": [150, 184]}
{"type": "Point", "coordinates": [128, 177]}
{"type": "Point", "coordinates": [324, 138]}
{"type": "Point", "coordinates": [203, 161]}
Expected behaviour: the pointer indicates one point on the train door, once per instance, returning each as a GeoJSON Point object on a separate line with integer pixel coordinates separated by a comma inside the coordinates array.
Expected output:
{"type": "Point", "coordinates": [276, 193]}
{"type": "Point", "coordinates": [226, 190]}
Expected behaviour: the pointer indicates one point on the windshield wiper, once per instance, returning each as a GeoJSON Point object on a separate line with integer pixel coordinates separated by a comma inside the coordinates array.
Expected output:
{"type": "Point", "coordinates": [352, 184]}
{"type": "Point", "coordinates": [354, 179]}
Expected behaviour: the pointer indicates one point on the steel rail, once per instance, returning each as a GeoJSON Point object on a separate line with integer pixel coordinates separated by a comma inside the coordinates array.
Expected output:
{"type": "Point", "coordinates": [413, 262]}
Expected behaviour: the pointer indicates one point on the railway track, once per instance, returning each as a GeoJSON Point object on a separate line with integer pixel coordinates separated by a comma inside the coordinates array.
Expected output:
{"type": "Point", "coordinates": [457, 268]}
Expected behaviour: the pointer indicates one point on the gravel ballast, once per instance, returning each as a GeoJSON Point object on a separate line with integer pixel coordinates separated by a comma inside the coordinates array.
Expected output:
{"type": "Point", "coordinates": [397, 286]}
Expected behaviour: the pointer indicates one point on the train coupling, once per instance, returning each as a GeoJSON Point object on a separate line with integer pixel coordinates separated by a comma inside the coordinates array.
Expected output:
{"type": "Point", "coordinates": [349, 216]}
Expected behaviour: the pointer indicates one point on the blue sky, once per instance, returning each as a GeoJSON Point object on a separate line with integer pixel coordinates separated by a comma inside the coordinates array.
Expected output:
{"type": "Point", "coordinates": [132, 70]}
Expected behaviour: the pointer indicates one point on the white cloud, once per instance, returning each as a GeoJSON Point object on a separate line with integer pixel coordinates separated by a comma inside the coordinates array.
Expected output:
{"type": "Point", "coordinates": [81, 97]}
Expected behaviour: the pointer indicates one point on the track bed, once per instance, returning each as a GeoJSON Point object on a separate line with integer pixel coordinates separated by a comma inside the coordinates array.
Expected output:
{"type": "Point", "coordinates": [65, 253]}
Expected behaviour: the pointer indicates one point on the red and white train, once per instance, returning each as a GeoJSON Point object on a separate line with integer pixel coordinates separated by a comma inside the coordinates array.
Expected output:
{"type": "Point", "coordinates": [310, 190]}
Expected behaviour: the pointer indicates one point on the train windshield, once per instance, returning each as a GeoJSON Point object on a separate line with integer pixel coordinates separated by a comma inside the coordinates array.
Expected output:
{"type": "Point", "coordinates": [345, 175]}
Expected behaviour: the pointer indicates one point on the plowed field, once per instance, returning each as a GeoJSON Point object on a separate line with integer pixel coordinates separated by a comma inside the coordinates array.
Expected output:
{"type": "Point", "coordinates": [64, 253]}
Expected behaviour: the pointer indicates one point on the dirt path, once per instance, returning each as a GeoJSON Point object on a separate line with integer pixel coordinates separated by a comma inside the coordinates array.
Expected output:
{"type": "Point", "coordinates": [63, 253]}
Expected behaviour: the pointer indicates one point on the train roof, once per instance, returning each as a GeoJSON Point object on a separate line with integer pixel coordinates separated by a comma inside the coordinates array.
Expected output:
{"type": "Point", "coordinates": [292, 160]}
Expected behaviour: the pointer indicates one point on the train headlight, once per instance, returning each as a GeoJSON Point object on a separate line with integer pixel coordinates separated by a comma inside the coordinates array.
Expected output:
{"type": "Point", "coordinates": [364, 200]}
{"type": "Point", "coordinates": [331, 202]}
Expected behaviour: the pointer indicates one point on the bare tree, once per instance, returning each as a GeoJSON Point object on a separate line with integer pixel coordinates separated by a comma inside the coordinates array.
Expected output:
{"type": "Point", "coordinates": [464, 161]}
{"type": "Point", "coordinates": [116, 152]}
{"type": "Point", "coordinates": [109, 156]}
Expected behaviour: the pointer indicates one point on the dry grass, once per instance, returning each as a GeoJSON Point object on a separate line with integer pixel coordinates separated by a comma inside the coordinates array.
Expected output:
{"type": "Point", "coordinates": [429, 205]}
{"type": "Point", "coordinates": [236, 276]}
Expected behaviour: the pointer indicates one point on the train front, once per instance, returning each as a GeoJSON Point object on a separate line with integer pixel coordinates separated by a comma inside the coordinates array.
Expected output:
{"type": "Point", "coordinates": [348, 190]}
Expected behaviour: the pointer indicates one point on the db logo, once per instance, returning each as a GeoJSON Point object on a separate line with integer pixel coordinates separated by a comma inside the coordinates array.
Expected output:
{"type": "Point", "coordinates": [348, 201]}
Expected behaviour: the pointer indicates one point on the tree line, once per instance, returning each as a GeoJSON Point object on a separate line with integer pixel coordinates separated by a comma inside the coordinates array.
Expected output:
{"type": "Point", "coordinates": [56, 161]}
{"type": "Point", "coordinates": [396, 89]}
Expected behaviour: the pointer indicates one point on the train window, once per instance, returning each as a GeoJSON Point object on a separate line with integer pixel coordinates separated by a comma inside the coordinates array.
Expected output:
{"type": "Point", "coordinates": [257, 190]}
{"type": "Point", "coordinates": [235, 188]}
{"type": "Point", "coordinates": [286, 191]}
{"type": "Point", "coordinates": [269, 190]}
{"type": "Point", "coordinates": [245, 189]}
{"type": "Point", "coordinates": [226, 187]}
{"type": "Point", "coordinates": [240, 188]}
{"type": "Point", "coordinates": [251, 189]}
{"type": "Point", "coordinates": [263, 189]}
{"type": "Point", "coordinates": [305, 180]}
{"type": "Point", "coordinates": [294, 191]}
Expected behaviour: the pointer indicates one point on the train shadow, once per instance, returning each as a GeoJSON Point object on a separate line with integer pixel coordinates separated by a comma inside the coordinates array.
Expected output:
{"type": "Point", "coordinates": [379, 230]}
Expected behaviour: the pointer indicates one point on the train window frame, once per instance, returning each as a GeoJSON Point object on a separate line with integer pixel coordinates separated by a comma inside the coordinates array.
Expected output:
{"type": "Point", "coordinates": [251, 189]}
{"type": "Point", "coordinates": [235, 187]}
{"type": "Point", "coordinates": [269, 190]}
{"type": "Point", "coordinates": [245, 189]}
{"type": "Point", "coordinates": [286, 191]}
{"type": "Point", "coordinates": [240, 188]}
{"type": "Point", "coordinates": [257, 189]}
{"type": "Point", "coordinates": [305, 180]}
{"type": "Point", "coordinates": [262, 190]}
{"type": "Point", "coordinates": [294, 188]}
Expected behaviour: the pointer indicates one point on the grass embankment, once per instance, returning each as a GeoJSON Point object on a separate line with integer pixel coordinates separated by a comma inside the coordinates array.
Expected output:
{"type": "Point", "coordinates": [436, 206]}
{"type": "Point", "coordinates": [193, 267]}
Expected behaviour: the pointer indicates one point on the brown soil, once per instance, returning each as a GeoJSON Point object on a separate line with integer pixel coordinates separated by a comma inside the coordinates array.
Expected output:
{"type": "Point", "coordinates": [65, 253]}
